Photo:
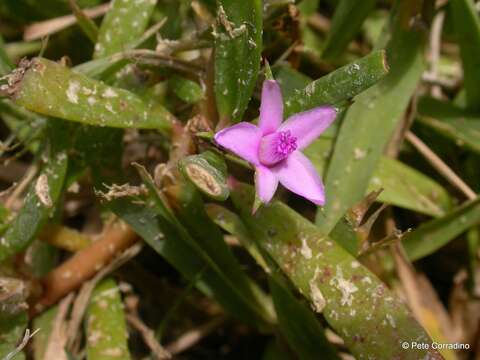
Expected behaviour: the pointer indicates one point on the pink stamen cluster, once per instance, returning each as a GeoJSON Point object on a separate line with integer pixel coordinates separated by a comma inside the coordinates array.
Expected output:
{"type": "Point", "coordinates": [286, 143]}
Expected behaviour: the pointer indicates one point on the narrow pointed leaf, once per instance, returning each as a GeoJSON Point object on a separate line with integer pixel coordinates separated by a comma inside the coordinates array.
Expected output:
{"type": "Point", "coordinates": [459, 125]}
{"type": "Point", "coordinates": [368, 125]}
{"type": "Point", "coordinates": [6, 64]}
{"type": "Point", "coordinates": [122, 25]}
{"type": "Point", "coordinates": [467, 30]}
{"type": "Point", "coordinates": [238, 47]}
{"type": "Point", "coordinates": [402, 185]}
{"type": "Point", "coordinates": [167, 236]}
{"type": "Point", "coordinates": [340, 85]}
{"type": "Point", "coordinates": [299, 325]}
{"type": "Point", "coordinates": [169, 242]}
{"type": "Point", "coordinates": [347, 21]}
{"type": "Point", "coordinates": [302, 330]}
{"type": "Point", "coordinates": [189, 209]}
{"type": "Point", "coordinates": [431, 236]}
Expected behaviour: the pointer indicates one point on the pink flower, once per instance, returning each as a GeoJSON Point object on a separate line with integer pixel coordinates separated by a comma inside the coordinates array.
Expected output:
{"type": "Point", "coordinates": [274, 148]}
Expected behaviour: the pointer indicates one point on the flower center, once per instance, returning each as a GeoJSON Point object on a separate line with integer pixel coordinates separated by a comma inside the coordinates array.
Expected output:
{"type": "Point", "coordinates": [276, 147]}
{"type": "Point", "coordinates": [286, 143]}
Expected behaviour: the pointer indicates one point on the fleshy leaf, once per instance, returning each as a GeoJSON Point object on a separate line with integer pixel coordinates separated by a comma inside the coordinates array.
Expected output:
{"type": "Point", "coordinates": [238, 45]}
{"type": "Point", "coordinates": [356, 304]}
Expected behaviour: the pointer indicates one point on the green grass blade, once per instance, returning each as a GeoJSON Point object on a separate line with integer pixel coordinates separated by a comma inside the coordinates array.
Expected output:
{"type": "Point", "coordinates": [51, 89]}
{"type": "Point", "coordinates": [189, 209]}
{"type": "Point", "coordinates": [368, 125]}
{"type": "Point", "coordinates": [402, 185]}
{"type": "Point", "coordinates": [473, 241]}
{"type": "Point", "coordinates": [467, 30]}
{"type": "Point", "coordinates": [106, 329]}
{"type": "Point", "coordinates": [231, 223]}
{"type": "Point", "coordinates": [346, 23]}
{"type": "Point", "coordinates": [431, 236]}
{"type": "Point", "coordinates": [460, 126]}
{"type": "Point", "coordinates": [6, 65]}
{"type": "Point", "coordinates": [408, 188]}
{"type": "Point", "coordinates": [238, 47]}
{"type": "Point", "coordinates": [169, 238]}
{"type": "Point", "coordinates": [357, 305]}
{"type": "Point", "coordinates": [87, 25]}
{"type": "Point", "coordinates": [169, 242]}
{"type": "Point", "coordinates": [308, 7]}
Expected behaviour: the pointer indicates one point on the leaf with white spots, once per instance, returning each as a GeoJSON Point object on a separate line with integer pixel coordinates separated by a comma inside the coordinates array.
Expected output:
{"type": "Point", "coordinates": [106, 335]}
{"type": "Point", "coordinates": [358, 306]}
{"type": "Point", "coordinates": [238, 47]}
{"type": "Point", "coordinates": [40, 199]}
{"type": "Point", "coordinates": [54, 90]}
{"type": "Point", "coordinates": [123, 25]}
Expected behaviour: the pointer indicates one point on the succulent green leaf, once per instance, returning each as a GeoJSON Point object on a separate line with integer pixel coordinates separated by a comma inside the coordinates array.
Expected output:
{"type": "Point", "coordinates": [106, 329]}
{"type": "Point", "coordinates": [299, 325]}
{"type": "Point", "coordinates": [355, 303]}
{"type": "Point", "coordinates": [339, 85]}
{"type": "Point", "coordinates": [238, 47]}
{"type": "Point", "coordinates": [408, 188]}
{"type": "Point", "coordinates": [51, 89]}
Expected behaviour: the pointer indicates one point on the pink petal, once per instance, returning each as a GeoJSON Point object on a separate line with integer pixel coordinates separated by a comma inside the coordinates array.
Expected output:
{"type": "Point", "coordinates": [242, 139]}
{"type": "Point", "coordinates": [298, 175]}
{"type": "Point", "coordinates": [271, 107]}
{"type": "Point", "coordinates": [308, 125]}
{"type": "Point", "coordinates": [266, 183]}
